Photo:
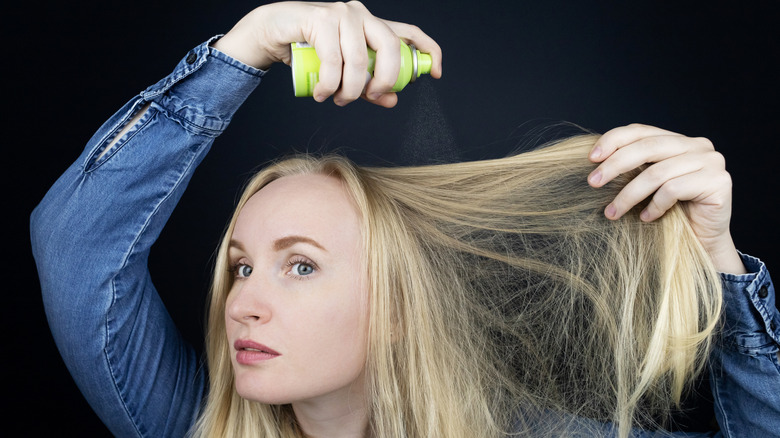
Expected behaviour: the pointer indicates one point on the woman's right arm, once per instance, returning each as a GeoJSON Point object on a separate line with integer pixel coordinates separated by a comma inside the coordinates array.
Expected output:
{"type": "Point", "coordinates": [92, 232]}
{"type": "Point", "coordinates": [91, 236]}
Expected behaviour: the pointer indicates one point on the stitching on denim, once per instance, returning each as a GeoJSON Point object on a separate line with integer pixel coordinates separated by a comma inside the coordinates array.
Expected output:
{"type": "Point", "coordinates": [118, 390]}
{"type": "Point", "coordinates": [188, 125]}
{"type": "Point", "coordinates": [193, 155]}
{"type": "Point", "coordinates": [718, 402]}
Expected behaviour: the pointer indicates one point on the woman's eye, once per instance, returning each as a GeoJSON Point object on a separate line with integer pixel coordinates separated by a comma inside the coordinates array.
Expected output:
{"type": "Point", "coordinates": [243, 270]}
{"type": "Point", "coordinates": [302, 269]}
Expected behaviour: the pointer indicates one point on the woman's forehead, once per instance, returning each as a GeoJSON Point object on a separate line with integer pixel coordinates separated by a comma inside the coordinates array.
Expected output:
{"type": "Point", "coordinates": [315, 206]}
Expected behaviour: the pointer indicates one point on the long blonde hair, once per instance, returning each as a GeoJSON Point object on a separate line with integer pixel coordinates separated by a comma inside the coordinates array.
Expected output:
{"type": "Point", "coordinates": [502, 302]}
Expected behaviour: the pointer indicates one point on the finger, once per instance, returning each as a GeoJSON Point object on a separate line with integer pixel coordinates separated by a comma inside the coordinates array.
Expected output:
{"type": "Point", "coordinates": [387, 100]}
{"type": "Point", "coordinates": [651, 180]}
{"type": "Point", "coordinates": [355, 60]}
{"type": "Point", "coordinates": [413, 34]}
{"type": "Point", "coordinates": [622, 136]}
{"type": "Point", "coordinates": [328, 48]}
{"type": "Point", "coordinates": [645, 150]}
{"type": "Point", "coordinates": [387, 45]}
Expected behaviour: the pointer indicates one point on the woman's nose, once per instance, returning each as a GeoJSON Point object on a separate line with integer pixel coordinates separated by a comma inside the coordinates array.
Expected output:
{"type": "Point", "coordinates": [246, 303]}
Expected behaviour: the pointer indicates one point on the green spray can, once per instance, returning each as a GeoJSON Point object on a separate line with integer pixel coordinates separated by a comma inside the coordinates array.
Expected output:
{"type": "Point", "coordinates": [306, 67]}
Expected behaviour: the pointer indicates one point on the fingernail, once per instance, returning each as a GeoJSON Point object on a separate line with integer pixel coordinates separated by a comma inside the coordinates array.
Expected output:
{"type": "Point", "coordinates": [319, 98]}
{"type": "Point", "coordinates": [373, 96]}
{"type": "Point", "coordinates": [595, 177]}
{"type": "Point", "coordinates": [644, 215]}
{"type": "Point", "coordinates": [610, 211]}
{"type": "Point", "coordinates": [595, 153]}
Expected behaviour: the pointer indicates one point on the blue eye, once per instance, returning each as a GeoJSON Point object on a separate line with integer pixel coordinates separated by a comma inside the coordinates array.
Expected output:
{"type": "Point", "coordinates": [243, 270]}
{"type": "Point", "coordinates": [302, 269]}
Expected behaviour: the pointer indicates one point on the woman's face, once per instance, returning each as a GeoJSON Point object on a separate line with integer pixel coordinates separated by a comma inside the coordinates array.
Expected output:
{"type": "Point", "coordinates": [296, 315]}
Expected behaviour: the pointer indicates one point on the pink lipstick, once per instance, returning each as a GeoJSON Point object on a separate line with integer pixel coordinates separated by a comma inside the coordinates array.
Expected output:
{"type": "Point", "coordinates": [250, 352]}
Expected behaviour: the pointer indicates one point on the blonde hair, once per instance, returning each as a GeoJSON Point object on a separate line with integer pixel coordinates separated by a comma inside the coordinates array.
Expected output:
{"type": "Point", "coordinates": [515, 306]}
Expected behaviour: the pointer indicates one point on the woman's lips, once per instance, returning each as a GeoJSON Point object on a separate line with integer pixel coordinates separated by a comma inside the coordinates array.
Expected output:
{"type": "Point", "coordinates": [250, 352]}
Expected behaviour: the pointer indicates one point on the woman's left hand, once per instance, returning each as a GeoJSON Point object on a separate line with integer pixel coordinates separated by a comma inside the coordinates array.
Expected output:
{"type": "Point", "coordinates": [681, 169]}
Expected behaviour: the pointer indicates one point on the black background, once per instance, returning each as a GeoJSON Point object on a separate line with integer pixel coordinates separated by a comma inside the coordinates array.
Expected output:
{"type": "Point", "coordinates": [513, 71]}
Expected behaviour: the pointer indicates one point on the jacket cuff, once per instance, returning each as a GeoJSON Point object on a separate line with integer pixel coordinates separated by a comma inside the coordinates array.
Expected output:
{"type": "Point", "coordinates": [750, 318]}
{"type": "Point", "coordinates": [205, 89]}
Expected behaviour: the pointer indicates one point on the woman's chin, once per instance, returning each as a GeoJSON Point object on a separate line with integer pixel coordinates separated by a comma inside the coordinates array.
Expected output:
{"type": "Point", "coordinates": [249, 387]}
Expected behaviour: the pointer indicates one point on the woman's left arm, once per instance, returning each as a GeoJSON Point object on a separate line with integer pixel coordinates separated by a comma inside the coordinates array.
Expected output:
{"type": "Point", "coordinates": [744, 363]}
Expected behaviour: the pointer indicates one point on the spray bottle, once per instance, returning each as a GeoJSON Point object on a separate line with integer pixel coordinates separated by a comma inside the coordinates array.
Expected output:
{"type": "Point", "coordinates": [306, 67]}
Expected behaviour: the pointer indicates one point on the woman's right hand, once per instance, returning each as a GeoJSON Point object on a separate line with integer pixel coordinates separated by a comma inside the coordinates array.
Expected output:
{"type": "Point", "coordinates": [339, 33]}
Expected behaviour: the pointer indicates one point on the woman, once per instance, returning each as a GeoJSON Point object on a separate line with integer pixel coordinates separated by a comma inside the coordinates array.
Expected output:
{"type": "Point", "coordinates": [402, 301]}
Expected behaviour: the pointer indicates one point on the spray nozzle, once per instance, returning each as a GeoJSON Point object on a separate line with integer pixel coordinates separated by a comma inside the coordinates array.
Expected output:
{"type": "Point", "coordinates": [424, 63]}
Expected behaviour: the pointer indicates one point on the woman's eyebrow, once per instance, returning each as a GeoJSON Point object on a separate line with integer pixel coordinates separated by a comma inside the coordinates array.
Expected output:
{"type": "Point", "coordinates": [288, 241]}
{"type": "Point", "coordinates": [236, 244]}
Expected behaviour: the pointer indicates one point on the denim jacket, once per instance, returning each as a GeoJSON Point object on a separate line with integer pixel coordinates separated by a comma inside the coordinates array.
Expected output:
{"type": "Point", "coordinates": [92, 233]}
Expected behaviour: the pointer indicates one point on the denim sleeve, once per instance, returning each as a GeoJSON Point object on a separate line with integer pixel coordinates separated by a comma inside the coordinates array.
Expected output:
{"type": "Point", "coordinates": [744, 367]}
{"type": "Point", "coordinates": [91, 235]}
